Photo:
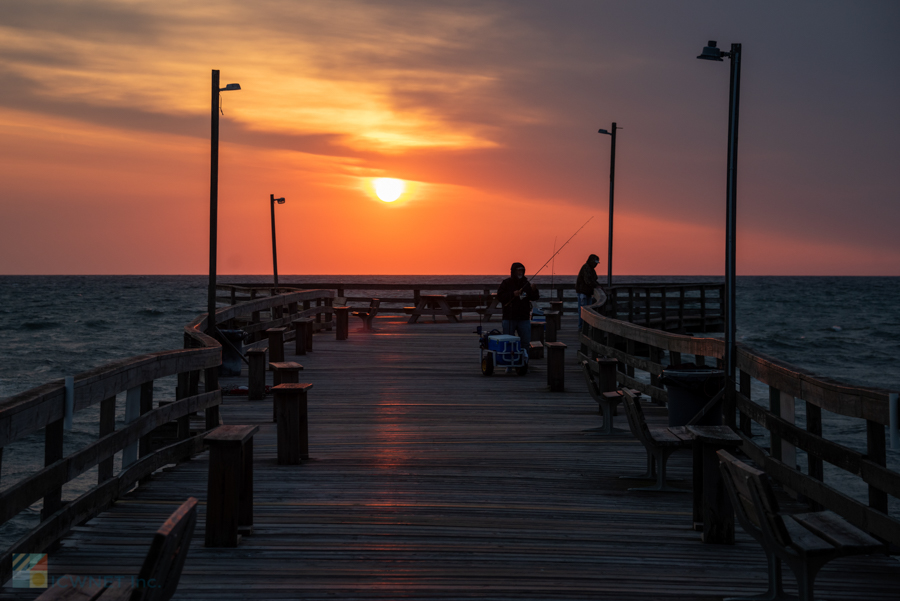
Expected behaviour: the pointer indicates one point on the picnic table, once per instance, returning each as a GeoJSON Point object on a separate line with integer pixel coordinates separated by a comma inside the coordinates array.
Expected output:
{"type": "Point", "coordinates": [452, 306]}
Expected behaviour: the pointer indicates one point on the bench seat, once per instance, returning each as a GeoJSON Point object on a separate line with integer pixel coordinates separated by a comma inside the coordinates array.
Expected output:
{"type": "Point", "coordinates": [805, 541]}
{"type": "Point", "coordinates": [368, 314]}
{"type": "Point", "coordinates": [659, 443]}
{"type": "Point", "coordinates": [159, 575]}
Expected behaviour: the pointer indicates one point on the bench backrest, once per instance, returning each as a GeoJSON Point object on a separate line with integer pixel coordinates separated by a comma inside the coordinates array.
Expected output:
{"type": "Point", "coordinates": [753, 498]}
{"type": "Point", "coordinates": [635, 414]}
{"type": "Point", "coordinates": [589, 378]}
{"type": "Point", "coordinates": [162, 567]}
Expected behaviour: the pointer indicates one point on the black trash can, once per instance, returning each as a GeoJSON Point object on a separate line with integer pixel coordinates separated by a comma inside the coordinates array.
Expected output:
{"type": "Point", "coordinates": [231, 353]}
{"type": "Point", "coordinates": [690, 388]}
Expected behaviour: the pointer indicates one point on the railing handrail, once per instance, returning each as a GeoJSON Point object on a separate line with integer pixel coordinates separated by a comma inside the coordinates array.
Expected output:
{"type": "Point", "coordinates": [851, 401]}
{"type": "Point", "coordinates": [782, 378]}
{"type": "Point", "coordinates": [44, 406]}
{"type": "Point", "coordinates": [47, 402]}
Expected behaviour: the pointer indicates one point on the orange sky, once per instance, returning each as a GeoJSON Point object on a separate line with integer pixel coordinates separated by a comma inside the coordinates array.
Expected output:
{"type": "Point", "coordinates": [490, 110]}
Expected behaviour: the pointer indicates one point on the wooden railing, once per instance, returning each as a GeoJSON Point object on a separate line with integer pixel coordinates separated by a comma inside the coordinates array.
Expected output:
{"type": "Point", "coordinates": [671, 307]}
{"type": "Point", "coordinates": [48, 406]}
{"type": "Point", "coordinates": [643, 349]}
{"type": "Point", "coordinates": [391, 303]}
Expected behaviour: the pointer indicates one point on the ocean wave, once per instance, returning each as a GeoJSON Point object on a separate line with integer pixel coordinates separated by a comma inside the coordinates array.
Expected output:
{"type": "Point", "coordinates": [151, 312]}
{"type": "Point", "coordinates": [97, 323]}
{"type": "Point", "coordinates": [40, 325]}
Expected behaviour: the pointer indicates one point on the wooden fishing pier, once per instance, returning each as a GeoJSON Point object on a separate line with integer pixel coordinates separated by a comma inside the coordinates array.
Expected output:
{"type": "Point", "coordinates": [424, 479]}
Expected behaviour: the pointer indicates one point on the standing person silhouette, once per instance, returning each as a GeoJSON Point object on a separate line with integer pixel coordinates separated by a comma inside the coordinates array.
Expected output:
{"type": "Point", "coordinates": [515, 295]}
{"type": "Point", "coordinates": [585, 284]}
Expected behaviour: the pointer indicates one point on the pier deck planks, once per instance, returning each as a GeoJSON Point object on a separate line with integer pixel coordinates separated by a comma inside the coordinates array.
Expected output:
{"type": "Point", "coordinates": [429, 481]}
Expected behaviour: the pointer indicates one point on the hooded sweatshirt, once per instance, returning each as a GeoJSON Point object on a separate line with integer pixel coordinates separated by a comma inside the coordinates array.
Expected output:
{"type": "Point", "coordinates": [587, 277]}
{"type": "Point", "coordinates": [516, 308]}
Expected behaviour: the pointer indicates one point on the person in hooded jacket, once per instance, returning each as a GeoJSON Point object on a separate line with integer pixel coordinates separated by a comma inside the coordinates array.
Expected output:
{"type": "Point", "coordinates": [586, 283]}
{"type": "Point", "coordinates": [515, 295]}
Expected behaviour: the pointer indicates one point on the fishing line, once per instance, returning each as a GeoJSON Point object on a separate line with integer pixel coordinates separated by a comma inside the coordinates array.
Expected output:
{"type": "Point", "coordinates": [562, 247]}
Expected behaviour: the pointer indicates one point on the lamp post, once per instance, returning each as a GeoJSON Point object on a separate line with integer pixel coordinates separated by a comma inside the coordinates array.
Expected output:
{"type": "Point", "coordinates": [214, 198]}
{"type": "Point", "coordinates": [612, 189]}
{"type": "Point", "coordinates": [272, 201]}
{"type": "Point", "coordinates": [712, 53]}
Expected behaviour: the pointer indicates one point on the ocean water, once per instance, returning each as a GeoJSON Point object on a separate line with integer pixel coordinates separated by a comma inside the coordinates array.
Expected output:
{"type": "Point", "coordinates": [843, 328]}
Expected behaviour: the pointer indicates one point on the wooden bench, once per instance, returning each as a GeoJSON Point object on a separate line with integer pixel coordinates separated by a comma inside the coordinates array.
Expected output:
{"type": "Point", "coordinates": [805, 541]}
{"type": "Point", "coordinates": [659, 443]}
{"type": "Point", "coordinates": [600, 376]}
{"type": "Point", "coordinates": [158, 577]}
{"type": "Point", "coordinates": [368, 314]}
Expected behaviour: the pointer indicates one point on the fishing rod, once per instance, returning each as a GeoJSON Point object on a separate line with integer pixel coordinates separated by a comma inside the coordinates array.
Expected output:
{"type": "Point", "coordinates": [561, 247]}
{"type": "Point", "coordinates": [553, 266]}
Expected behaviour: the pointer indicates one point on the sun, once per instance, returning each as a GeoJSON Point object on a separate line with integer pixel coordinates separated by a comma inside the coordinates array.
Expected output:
{"type": "Point", "coordinates": [389, 189]}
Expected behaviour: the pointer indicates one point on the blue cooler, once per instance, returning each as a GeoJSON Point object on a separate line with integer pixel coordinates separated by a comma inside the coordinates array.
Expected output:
{"type": "Point", "coordinates": [507, 350]}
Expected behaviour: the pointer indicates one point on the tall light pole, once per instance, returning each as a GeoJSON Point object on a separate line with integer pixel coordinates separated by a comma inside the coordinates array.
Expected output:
{"type": "Point", "coordinates": [712, 53]}
{"type": "Point", "coordinates": [214, 198]}
{"type": "Point", "coordinates": [272, 201]}
{"type": "Point", "coordinates": [612, 189]}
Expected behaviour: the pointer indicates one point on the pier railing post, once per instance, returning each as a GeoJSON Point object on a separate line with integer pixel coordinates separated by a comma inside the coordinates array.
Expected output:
{"type": "Point", "coordinates": [256, 374]}
{"type": "Point", "coordinates": [283, 373]}
{"type": "Point", "coordinates": [53, 452]}
{"type": "Point", "coordinates": [211, 384]}
{"type": "Point", "coordinates": [293, 424]}
{"type": "Point", "coordinates": [107, 426]}
{"type": "Point", "coordinates": [276, 344]}
{"type": "Point", "coordinates": [537, 335]}
{"type": "Point", "coordinates": [342, 315]}
{"type": "Point", "coordinates": [550, 328]}
{"type": "Point", "coordinates": [329, 323]}
{"type": "Point", "coordinates": [876, 452]}
{"type": "Point", "coordinates": [302, 329]}
{"type": "Point", "coordinates": [229, 502]}
{"type": "Point", "coordinates": [556, 366]}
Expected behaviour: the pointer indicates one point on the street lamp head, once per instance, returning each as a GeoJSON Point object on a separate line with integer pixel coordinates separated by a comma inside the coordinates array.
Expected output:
{"type": "Point", "coordinates": [231, 87]}
{"type": "Point", "coordinates": [279, 201]}
{"type": "Point", "coordinates": [603, 131]}
{"type": "Point", "coordinates": [711, 52]}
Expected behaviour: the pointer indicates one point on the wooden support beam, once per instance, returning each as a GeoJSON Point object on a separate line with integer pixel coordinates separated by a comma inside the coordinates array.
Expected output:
{"type": "Point", "coordinates": [107, 426]}
{"type": "Point", "coordinates": [53, 452]}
